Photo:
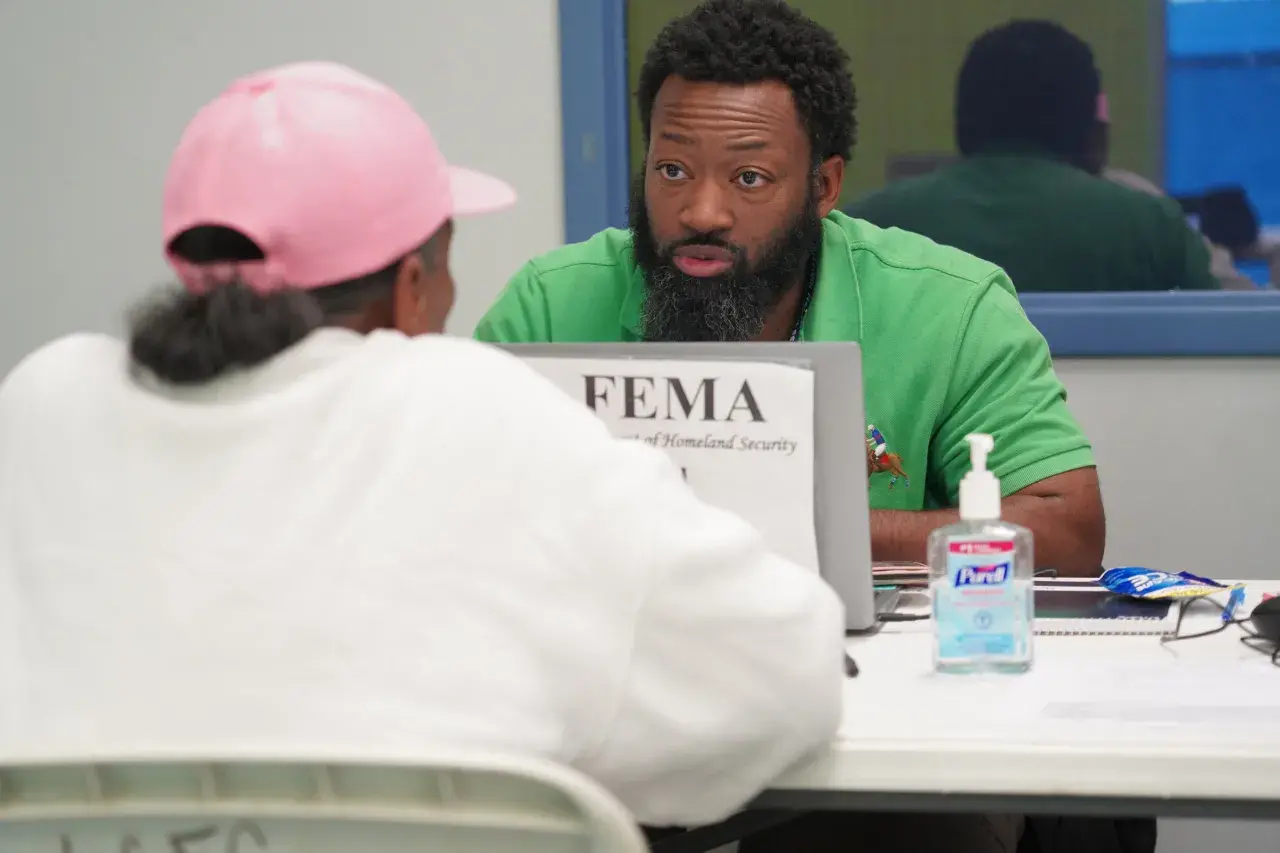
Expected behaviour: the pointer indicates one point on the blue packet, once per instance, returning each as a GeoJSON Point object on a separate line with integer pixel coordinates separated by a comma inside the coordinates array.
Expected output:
{"type": "Point", "coordinates": [1141, 582]}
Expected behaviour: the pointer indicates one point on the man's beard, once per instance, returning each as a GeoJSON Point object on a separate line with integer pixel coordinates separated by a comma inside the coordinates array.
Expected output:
{"type": "Point", "coordinates": [729, 307]}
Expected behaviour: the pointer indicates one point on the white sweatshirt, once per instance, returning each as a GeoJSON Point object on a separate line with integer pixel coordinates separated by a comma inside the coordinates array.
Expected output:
{"type": "Point", "coordinates": [377, 546]}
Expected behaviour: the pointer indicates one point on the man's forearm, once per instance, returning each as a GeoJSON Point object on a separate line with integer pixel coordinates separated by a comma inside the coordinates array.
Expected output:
{"type": "Point", "coordinates": [900, 535]}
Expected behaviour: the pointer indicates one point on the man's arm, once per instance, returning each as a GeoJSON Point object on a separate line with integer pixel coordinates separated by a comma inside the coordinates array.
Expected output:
{"type": "Point", "coordinates": [1003, 383]}
{"type": "Point", "coordinates": [1063, 511]}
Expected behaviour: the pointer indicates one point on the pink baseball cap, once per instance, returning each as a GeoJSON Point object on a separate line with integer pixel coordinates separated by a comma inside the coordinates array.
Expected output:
{"type": "Point", "coordinates": [331, 173]}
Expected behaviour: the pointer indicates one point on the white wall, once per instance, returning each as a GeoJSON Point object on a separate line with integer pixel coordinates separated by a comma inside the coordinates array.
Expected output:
{"type": "Point", "coordinates": [94, 95]}
{"type": "Point", "coordinates": [1187, 454]}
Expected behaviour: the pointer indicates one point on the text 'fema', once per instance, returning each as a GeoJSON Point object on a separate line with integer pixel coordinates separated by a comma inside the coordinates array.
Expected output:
{"type": "Point", "coordinates": [667, 398]}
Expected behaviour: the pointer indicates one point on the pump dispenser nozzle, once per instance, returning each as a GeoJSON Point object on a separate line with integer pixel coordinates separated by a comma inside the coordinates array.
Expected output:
{"type": "Point", "coordinates": [979, 489]}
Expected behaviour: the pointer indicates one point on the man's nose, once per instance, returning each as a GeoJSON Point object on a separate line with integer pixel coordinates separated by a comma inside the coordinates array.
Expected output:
{"type": "Point", "coordinates": [706, 209]}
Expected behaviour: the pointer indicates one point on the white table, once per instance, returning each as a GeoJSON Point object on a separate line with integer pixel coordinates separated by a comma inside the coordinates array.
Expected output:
{"type": "Point", "coordinates": [1102, 725]}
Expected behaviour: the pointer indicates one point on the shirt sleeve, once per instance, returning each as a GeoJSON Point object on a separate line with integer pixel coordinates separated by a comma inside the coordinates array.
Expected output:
{"type": "Point", "coordinates": [1191, 267]}
{"type": "Point", "coordinates": [730, 663]}
{"type": "Point", "coordinates": [737, 667]}
{"type": "Point", "coordinates": [520, 314]}
{"type": "Point", "coordinates": [1003, 384]}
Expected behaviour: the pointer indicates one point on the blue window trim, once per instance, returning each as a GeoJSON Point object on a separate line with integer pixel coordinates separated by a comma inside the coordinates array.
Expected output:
{"type": "Point", "coordinates": [594, 110]}
{"type": "Point", "coordinates": [595, 114]}
{"type": "Point", "coordinates": [1119, 325]}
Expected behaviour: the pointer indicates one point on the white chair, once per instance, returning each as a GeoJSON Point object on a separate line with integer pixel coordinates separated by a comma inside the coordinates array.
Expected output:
{"type": "Point", "coordinates": [458, 804]}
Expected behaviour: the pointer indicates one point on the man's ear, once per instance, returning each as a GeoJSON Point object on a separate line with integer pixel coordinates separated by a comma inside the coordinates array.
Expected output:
{"type": "Point", "coordinates": [409, 296]}
{"type": "Point", "coordinates": [828, 181]}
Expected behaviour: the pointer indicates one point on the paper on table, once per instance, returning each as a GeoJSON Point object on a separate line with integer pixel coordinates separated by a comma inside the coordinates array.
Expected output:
{"type": "Point", "coordinates": [1073, 701]}
{"type": "Point", "coordinates": [1164, 713]}
{"type": "Point", "coordinates": [1175, 691]}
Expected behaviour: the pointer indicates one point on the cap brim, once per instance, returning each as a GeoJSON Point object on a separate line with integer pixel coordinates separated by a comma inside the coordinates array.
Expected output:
{"type": "Point", "coordinates": [475, 193]}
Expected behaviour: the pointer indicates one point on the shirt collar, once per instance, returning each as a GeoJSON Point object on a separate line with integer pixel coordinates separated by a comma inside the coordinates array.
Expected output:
{"type": "Point", "coordinates": [835, 313]}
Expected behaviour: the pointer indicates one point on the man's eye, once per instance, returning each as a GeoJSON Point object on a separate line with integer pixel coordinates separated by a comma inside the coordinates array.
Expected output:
{"type": "Point", "coordinates": [751, 179]}
{"type": "Point", "coordinates": [672, 171]}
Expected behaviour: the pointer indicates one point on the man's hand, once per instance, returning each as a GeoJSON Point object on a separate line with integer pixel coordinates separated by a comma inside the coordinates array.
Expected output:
{"type": "Point", "coordinates": [1064, 514]}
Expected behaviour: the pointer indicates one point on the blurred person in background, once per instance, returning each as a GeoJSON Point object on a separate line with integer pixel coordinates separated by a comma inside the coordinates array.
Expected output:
{"type": "Point", "coordinates": [1095, 162]}
{"type": "Point", "coordinates": [1022, 195]}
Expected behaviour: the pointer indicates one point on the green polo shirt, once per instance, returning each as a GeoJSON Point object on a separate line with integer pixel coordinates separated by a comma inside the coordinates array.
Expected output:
{"type": "Point", "coordinates": [946, 348]}
{"type": "Point", "coordinates": [1052, 227]}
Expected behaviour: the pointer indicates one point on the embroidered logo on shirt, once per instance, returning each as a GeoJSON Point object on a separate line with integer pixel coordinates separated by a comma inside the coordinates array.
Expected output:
{"type": "Point", "coordinates": [880, 460]}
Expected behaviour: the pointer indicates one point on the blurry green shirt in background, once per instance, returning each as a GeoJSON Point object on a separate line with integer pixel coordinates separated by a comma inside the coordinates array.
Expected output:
{"type": "Point", "coordinates": [1050, 226]}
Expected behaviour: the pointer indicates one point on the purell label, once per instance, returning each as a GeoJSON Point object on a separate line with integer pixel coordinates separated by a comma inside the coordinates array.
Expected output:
{"type": "Point", "coordinates": [993, 574]}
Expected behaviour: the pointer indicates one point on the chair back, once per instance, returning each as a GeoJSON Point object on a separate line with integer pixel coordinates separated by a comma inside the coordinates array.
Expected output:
{"type": "Point", "coordinates": [458, 804]}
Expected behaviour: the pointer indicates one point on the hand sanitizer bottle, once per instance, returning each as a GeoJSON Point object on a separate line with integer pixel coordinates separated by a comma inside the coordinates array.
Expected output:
{"type": "Point", "coordinates": [981, 579]}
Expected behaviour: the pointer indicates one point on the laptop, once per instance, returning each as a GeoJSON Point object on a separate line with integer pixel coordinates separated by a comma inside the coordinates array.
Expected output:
{"type": "Point", "coordinates": [840, 463]}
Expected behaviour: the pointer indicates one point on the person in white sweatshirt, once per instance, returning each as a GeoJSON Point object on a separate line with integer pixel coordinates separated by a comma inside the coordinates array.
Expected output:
{"type": "Point", "coordinates": [287, 518]}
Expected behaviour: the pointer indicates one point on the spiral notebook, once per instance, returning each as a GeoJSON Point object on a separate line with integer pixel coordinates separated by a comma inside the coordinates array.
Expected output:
{"type": "Point", "coordinates": [1089, 609]}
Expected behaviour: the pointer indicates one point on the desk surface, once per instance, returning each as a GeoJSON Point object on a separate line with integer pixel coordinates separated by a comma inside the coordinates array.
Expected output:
{"type": "Point", "coordinates": [1101, 725]}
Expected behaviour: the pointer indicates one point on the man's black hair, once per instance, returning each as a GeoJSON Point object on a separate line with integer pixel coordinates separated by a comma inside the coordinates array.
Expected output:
{"type": "Point", "coordinates": [751, 41]}
{"type": "Point", "coordinates": [186, 338]}
{"type": "Point", "coordinates": [1027, 85]}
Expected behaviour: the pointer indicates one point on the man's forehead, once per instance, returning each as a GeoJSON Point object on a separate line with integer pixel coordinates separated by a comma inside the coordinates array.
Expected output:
{"type": "Point", "coordinates": [768, 103]}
